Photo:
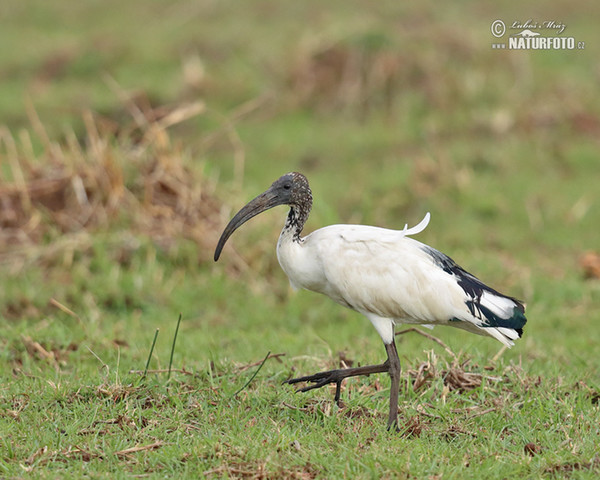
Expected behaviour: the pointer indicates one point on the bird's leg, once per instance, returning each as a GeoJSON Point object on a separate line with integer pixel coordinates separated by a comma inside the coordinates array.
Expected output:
{"type": "Point", "coordinates": [391, 365]}
{"type": "Point", "coordinates": [394, 370]}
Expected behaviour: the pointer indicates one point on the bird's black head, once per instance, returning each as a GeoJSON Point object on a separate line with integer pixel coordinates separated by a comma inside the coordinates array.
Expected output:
{"type": "Point", "coordinates": [290, 189]}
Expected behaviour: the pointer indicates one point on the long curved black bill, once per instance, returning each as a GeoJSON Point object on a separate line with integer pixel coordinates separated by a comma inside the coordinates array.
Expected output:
{"type": "Point", "coordinates": [264, 201]}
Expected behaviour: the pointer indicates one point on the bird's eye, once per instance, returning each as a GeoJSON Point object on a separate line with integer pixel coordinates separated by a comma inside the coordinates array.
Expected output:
{"type": "Point", "coordinates": [287, 186]}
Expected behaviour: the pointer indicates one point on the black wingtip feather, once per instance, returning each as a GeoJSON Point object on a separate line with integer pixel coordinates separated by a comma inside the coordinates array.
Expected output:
{"type": "Point", "coordinates": [519, 331]}
{"type": "Point", "coordinates": [474, 288]}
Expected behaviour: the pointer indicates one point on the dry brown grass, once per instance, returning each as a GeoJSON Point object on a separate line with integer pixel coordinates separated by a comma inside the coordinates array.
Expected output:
{"type": "Point", "coordinates": [54, 199]}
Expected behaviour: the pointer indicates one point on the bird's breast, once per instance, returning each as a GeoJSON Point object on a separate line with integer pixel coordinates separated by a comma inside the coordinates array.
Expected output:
{"type": "Point", "coordinates": [301, 263]}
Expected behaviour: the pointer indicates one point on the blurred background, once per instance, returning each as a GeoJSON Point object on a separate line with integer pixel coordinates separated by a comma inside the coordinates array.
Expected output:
{"type": "Point", "coordinates": [130, 132]}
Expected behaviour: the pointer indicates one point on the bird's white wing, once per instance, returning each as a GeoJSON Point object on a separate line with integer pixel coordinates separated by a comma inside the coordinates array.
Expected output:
{"type": "Point", "coordinates": [383, 273]}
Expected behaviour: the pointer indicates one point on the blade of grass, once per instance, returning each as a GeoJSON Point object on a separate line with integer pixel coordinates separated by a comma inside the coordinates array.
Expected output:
{"type": "Point", "coordinates": [104, 365]}
{"type": "Point", "coordinates": [252, 377]}
{"type": "Point", "coordinates": [150, 354]}
{"type": "Point", "coordinates": [173, 347]}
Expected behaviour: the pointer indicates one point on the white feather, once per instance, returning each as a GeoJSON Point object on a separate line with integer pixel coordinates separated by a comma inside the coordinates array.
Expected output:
{"type": "Point", "coordinates": [501, 306]}
{"type": "Point", "coordinates": [500, 336]}
{"type": "Point", "coordinates": [422, 225]}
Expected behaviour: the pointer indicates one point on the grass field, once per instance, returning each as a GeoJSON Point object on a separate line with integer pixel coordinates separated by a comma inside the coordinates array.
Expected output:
{"type": "Point", "coordinates": [130, 133]}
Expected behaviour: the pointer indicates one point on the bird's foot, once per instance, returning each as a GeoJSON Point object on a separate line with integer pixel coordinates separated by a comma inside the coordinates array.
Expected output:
{"type": "Point", "coordinates": [321, 379]}
{"type": "Point", "coordinates": [393, 424]}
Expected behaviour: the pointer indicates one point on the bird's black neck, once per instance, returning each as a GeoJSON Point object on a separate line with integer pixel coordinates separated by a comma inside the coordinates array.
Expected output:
{"type": "Point", "coordinates": [296, 219]}
{"type": "Point", "coordinates": [300, 205]}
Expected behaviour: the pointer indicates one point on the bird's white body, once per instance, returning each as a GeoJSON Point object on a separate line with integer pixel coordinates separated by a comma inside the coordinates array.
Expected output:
{"type": "Point", "coordinates": [390, 278]}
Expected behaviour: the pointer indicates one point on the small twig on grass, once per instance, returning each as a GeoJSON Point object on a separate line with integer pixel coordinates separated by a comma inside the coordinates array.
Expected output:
{"type": "Point", "coordinates": [161, 370]}
{"type": "Point", "coordinates": [250, 365]}
{"type": "Point", "coordinates": [181, 114]}
{"type": "Point", "coordinates": [173, 347]}
{"type": "Point", "coordinates": [36, 349]}
{"type": "Point", "coordinates": [252, 377]}
{"type": "Point", "coordinates": [430, 337]}
{"type": "Point", "coordinates": [292, 407]}
{"type": "Point", "coordinates": [483, 412]}
{"type": "Point", "coordinates": [128, 451]}
{"type": "Point", "coordinates": [104, 365]}
{"type": "Point", "coordinates": [66, 310]}
{"type": "Point", "coordinates": [150, 354]}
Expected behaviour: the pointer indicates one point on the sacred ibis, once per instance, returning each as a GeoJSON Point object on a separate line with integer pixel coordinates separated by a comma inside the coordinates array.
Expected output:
{"type": "Point", "coordinates": [383, 274]}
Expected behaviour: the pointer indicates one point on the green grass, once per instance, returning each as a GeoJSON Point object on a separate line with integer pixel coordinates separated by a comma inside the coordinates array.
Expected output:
{"type": "Point", "coordinates": [501, 147]}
